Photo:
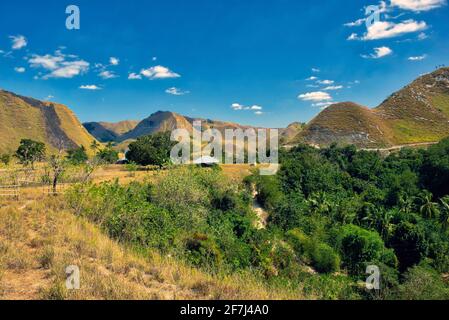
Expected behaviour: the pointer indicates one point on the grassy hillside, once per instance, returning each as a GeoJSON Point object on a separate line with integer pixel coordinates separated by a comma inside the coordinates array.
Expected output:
{"type": "Point", "coordinates": [347, 123]}
{"type": "Point", "coordinates": [108, 131]}
{"type": "Point", "coordinates": [38, 240]}
{"type": "Point", "coordinates": [22, 117]}
{"type": "Point", "coordinates": [417, 113]}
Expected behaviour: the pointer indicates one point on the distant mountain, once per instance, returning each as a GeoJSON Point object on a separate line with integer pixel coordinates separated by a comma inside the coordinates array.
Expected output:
{"type": "Point", "coordinates": [417, 113]}
{"type": "Point", "coordinates": [108, 131]}
{"type": "Point", "coordinates": [54, 124]}
{"type": "Point", "coordinates": [160, 121]}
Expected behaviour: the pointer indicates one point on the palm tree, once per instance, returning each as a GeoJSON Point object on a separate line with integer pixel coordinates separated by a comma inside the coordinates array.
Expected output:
{"type": "Point", "coordinates": [406, 203]}
{"type": "Point", "coordinates": [444, 217]}
{"type": "Point", "coordinates": [429, 208]}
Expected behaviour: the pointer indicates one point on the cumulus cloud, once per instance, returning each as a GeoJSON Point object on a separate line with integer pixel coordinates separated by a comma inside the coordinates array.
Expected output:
{"type": "Point", "coordinates": [114, 61]}
{"type": "Point", "coordinates": [379, 53]}
{"type": "Point", "coordinates": [59, 65]}
{"type": "Point", "coordinates": [107, 75]}
{"type": "Point", "coordinates": [134, 76]}
{"type": "Point", "coordinates": [256, 108]}
{"type": "Point", "coordinates": [356, 23]}
{"type": "Point", "coordinates": [418, 5]}
{"type": "Point", "coordinates": [19, 69]}
{"type": "Point", "coordinates": [312, 78]}
{"type": "Point", "coordinates": [326, 82]}
{"type": "Point", "coordinates": [386, 29]}
{"type": "Point", "coordinates": [315, 96]}
{"type": "Point", "coordinates": [159, 72]}
{"type": "Point", "coordinates": [18, 42]}
{"type": "Point", "coordinates": [176, 91]}
{"type": "Point", "coordinates": [237, 106]}
{"type": "Point", "coordinates": [330, 88]}
{"type": "Point", "coordinates": [323, 105]}
{"type": "Point", "coordinates": [90, 87]}
{"type": "Point", "coordinates": [417, 58]}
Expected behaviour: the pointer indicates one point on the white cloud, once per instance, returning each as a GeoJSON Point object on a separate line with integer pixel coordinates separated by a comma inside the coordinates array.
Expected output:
{"type": "Point", "coordinates": [58, 65]}
{"type": "Point", "coordinates": [323, 105]}
{"type": "Point", "coordinates": [90, 87]}
{"type": "Point", "coordinates": [69, 69]}
{"type": "Point", "coordinates": [47, 61]}
{"type": "Point", "coordinates": [333, 88]}
{"type": "Point", "coordinates": [326, 82]}
{"type": "Point", "coordinates": [159, 72]}
{"type": "Point", "coordinates": [356, 23]}
{"type": "Point", "coordinates": [418, 5]}
{"type": "Point", "coordinates": [20, 69]}
{"type": "Point", "coordinates": [134, 76]}
{"type": "Point", "coordinates": [353, 36]}
{"type": "Point", "coordinates": [258, 113]}
{"type": "Point", "coordinates": [422, 36]}
{"type": "Point", "coordinates": [237, 106]}
{"type": "Point", "coordinates": [18, 42]}
{"type": "Point", "coordinates": [316, 70]}
{"type": "Point", "coordinates": [176, 91]}
{"type": "Point", "coordinates": [49, 97]}
{"type": "Point", "coordinates": [417, 58]}
{"type": "Point", "coordinates": [379, 53]}
{"type": "Point", "coordinates": [312, 78]}
{"type": "Point", "coordinates": [107, 75]}
{"type": "Point", "coordinates": [385, 29]}
{"type": "Point", "coordinates": [114, 61]}
{"type": "Point", "coordinates": [315, 96]}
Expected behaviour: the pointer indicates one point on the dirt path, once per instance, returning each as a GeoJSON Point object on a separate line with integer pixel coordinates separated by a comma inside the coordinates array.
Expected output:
{"type": "Point", "coordinates": [393, 148]}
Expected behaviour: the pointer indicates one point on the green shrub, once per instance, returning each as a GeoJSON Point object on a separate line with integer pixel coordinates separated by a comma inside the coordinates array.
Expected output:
{"type": "Point", "coordinates": [423, 283]}
{"type": "Point", "coordinates": [203, 251]}
{"type": "Point", "coordinates": [325, 259]}
{"type": "Point", "coordinates": [360, 247]}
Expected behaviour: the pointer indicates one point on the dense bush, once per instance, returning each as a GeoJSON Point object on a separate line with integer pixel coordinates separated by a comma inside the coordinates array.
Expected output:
{"type": "Point", "coordinates": [329, 209]}
{"type": "Point", "coordinates": [151, 150]}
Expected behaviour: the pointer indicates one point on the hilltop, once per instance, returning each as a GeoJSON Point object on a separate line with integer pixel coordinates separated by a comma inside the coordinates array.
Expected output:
{"type": "Point", "coordinates": [417, 113]}
{"type": "Point", "coordinates": [48, 122]}
{"type": "Point", "coordinates": [109, 131]}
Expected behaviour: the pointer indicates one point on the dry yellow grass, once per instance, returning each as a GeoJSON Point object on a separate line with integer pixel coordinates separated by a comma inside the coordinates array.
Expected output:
{"type": "Point", "coordinates": [40, 237]}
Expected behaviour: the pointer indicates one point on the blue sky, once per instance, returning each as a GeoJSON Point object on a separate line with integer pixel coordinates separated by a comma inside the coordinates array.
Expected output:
{"type": "Point", "coordinates": [245, 61]}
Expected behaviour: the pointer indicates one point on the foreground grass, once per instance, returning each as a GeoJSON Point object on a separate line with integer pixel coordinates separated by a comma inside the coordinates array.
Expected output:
{"type": "Point", "coordinates": [38, 240]}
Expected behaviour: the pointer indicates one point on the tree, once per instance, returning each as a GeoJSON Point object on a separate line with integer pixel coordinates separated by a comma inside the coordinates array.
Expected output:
{"type": "Point", "coordinates": [108, 155]}
{"type": "Point", "coordinates": [444, 217]}
{"type": "Point", "coordinates": [151, 150]}
{"type": "Point", "coordinates": [57, 165]}
{"type": "Point", "coordinates": [429, 208]}
{"type": "Point", "coordinates": [95, 146]}
{"type": "Point", "coordinates": [5, 159]}
{"type": "Point", "coordinates": [77, 156]}
{"type": "Point", "coordinates": [30, 151]}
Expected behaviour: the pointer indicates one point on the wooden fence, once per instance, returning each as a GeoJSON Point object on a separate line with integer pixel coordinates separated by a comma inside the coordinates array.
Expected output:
{"type": "Point", "coordinates": [10, 191]}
